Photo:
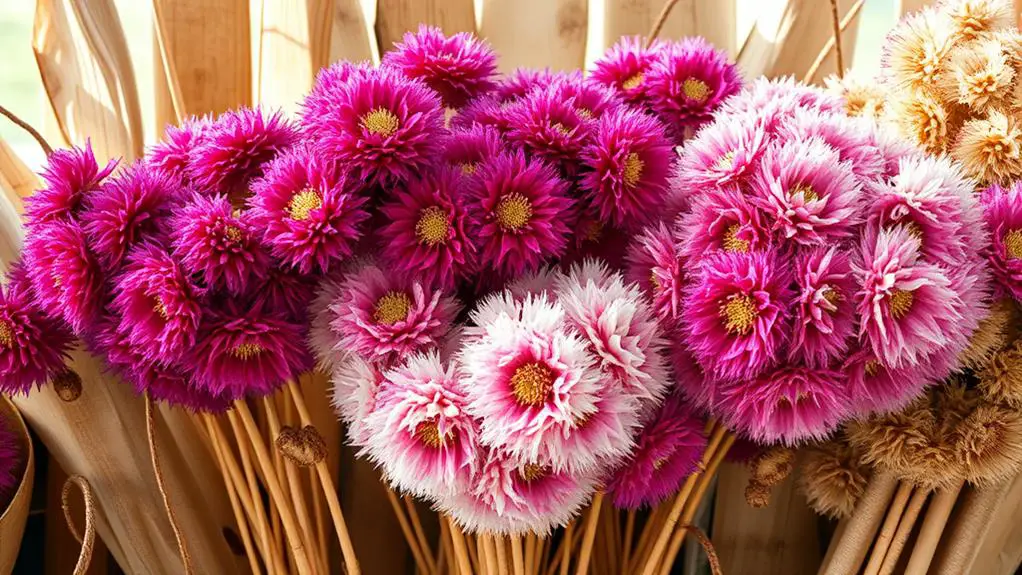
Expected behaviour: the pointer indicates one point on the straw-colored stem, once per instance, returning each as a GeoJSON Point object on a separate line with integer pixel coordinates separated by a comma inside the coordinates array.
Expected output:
{"type": "Point", "coordinates": [447, 548]}
{"type": "Point", "coordinates": [658, 24]}
{"type": "Point", "coordinates": [592, 521]}
{"type": "Point", "coordinates": [517, 555]}
{"type": "Point", "coordinates": [470, 541]}
{"type": "Point", "coordinates": [232, 495]}
{"type": "Point", "coordinates": [500, 542]}
{"type": "Point", "coordinates": [835, 18]}
{"type": "Point", "coordinates": [460, 547]}
{"type": "Point", "coordinates": [908, 521]}
{"type": "Point", "coordinates": [936, 518]}
{"type": "Point", "coordinates": [815, 67]}
{"type": "Point", "coordinates": [568, 545]}
{"type": "Point", "coordinates": [537, 560]}
{"type": "Point", "coordinates": [420, 534]}
{"type": "Point", "coordinates": [652, 525]}
{"type": "Point", "coordinates": [161, 484]}
{"type": "Point", "coordinates": [883, 541]}
{"type": "Point", "coordinates": [406, 529]}
{"type": "Point", "coordinates": [260, 522]}
{"type": "Point", "coordinates": [626, 543]}
{"type": "Point", "coordinates": [488, 542]}
{"type": "Point", "coordinates": [291, 414]}
{"type": "Point", "coordinates": [530, 550]}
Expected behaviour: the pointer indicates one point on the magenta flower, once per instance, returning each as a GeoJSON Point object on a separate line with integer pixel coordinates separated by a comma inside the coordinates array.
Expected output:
{"type": "Point", "coordinates": [426, 235]}
{"type": "Point", "coordinates": [776, 101]}
{"type": "Point", "coordinates": [68, 177]}
{"type": "Point", "coordinates": [158, 306]}
{"type": "Point", "coordinates": [522, 81]}
{"type": "Point", "coordinates": [11, 462]}
{"type": "Point", "coordinates": [355, 384]}
{"type": "Point", "coordinates": [589, 99]}
{"type": "Point", "coordinates": [548, 127]}
{"type": "Point", "coordinates": [242, 351]}
{"type": "Point", "coordinates": [1002, 209]}
{"type": "Point", "coordinates": [625, 65]}
{"type": "Point", "coordinates": [487, 112]}
{"type": "Point", "coordinates": [700, 391]}
{"type": "Point", "coordinates": [33, 347]}
{"type": "Point", "coordinates": [65, 274]}
{"type": "Point", "coordinates": [466, 149]}
{"type": "Point", "coordinates": [132, 207]}
{"type": "Point", "coordinates": [307, 213]}
{"type": "Point", "coordinates": [420, 431]}
{"type": "Point", "coordinates": [722, 220]}
{"type": "Point", "coordinates": [875, 388]}
{"type": "Point", "coordinates": [627, 167]}
{"type": "Point", "coordinates": [667, 451]}
{"type": "Point", "coordinates": [459, 68]}
{"type": "Point", "coordinates": [851, 138]}
{"type": "Point", "coordinates": [723, 155]}
{"type": "Point", "coordinates": [688, 82]}
{"type": "Point", "coordinates": [170, 155]}
{"type": "Point", "coordinates": [284, 290]}
{"type": "Point", "coordinates": [524, 213]}
{"type": "Point", "coordinates": [384, 318]}
{"type": "Point", "coordinates": [790, 405]}
{"type": "Point", "coordinates": [380, 125]}
{"type": "Point", "coordinates": [736, 314]}
{"type": "Point", "coordinates": [825, 313]}
{"type": "Point", "coordinates": [234, 149]}
{"type": "Point", "coordinates": [654, 264]}
{"type": "Point", "coordinates": [324, 342]}
{"type": "Point", "coordinates": [222, 248]}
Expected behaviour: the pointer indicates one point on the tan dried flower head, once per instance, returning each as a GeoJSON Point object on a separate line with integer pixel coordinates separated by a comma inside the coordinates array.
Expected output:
{"type": "Point", "coordinates": [988, 148]}
{"type": "Point", "coordinates": [1000, 380]}
{"type": "Point", "coordinates": [865, 99]}
{"type": "Point", "coordinates": [971, 19]}
{"type": "Point", "coordinates": [757, 495]}
{"type": "Point", "coordinates": [978, 74]}
{"type": "Point", "coordinates": [922, 120]}
{"type": "Point", "coordinates": [995, 331]}
{"type": "Point", "coordinates": [916, 50]}
{"type": "Point", "coordinates": [989, 441]}
{"type": "Point", "coordinates": [772, 465]}
{"type": "Point", "coordinates": [833, 478]}
{"type": "Point", "coordinates": [894, 440]}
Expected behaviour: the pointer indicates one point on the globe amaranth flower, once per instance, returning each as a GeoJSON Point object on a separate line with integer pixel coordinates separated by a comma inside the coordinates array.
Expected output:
{"type": "Point", "coordinates": [548, 127]}
{"type": "Point", "coordinates": [824, 321]}
{"type": "Point", "coordinates": [687, 83]}
{"type": "Point", "coordinates": [308, 214]}
{"type": "Point", "coordinates": [222, 248]}
{"type": "Point", "coordinates": [234, 149]}
{"type": "Point", "coordinates": [736, 314]}
{"type": "Point", "coordinates": [1002, 210]}
{"type": "Point", "coordinates": [159, 308]}
{"type": "Point", "coordinates": [722, 220]}
{"type": "Point", "coordinates": [623, 67]}
{"type": "Point", "coordinates": [69, 175]}
{"type": "Point", "coordinates": [355, 384]}
{"type": "Point", "coordinates": [382, 126]}
{"type": "Point", "coordinates": [243, 351]}
{"type": "Point", "coordinates": [459, 68]}
{"type": "Point", "coordinates": [667, 451]}
{"type": "Point", "coordinates": [654, 264]}
{"type": "Point", "coordinates": [383, 318]}
{"type": "Point", "coordinates": [132, 207]}
{"type": "Point", "coordinates": [65, 274]}
{"type": "Point", "coordinates": [170, 155]}
{"type": "Point", "coordinates": [420, 430]}
{"type": "Point", "coordinates": [426, 235]}
{"type": "Point", "coordinates": [627, 165]}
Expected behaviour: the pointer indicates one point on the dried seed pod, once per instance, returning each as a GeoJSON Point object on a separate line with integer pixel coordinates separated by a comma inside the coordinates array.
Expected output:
{"type": "Point", "coordinates": [833, 477]}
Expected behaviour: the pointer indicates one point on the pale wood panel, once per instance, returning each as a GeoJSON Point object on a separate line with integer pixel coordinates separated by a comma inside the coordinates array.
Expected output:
{"type": "Point", "coordinates": [351, 35]}
{"type": "Point", "coordinates": [16, 178]}
{"type": "Point", "coordinates": [711, 19]}
{"type": "Point", "coordinates": [293, 42]}
{"type": "Point", "coordinates": [83, 61]}
{"type": "Point", "coordinates": [206, 52]}
{"type": "Point", "coordinates": [395, 17]}
{"type": "Point", "coordinates": [1001, 551]}
{"type": "Point", "coordinates": [537, 33]}
{"type": "Point", "coordinates": [902, 7]}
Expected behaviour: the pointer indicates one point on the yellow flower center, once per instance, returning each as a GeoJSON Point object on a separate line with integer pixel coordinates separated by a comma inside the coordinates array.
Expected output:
{"type": "Point", "coordinates": [468, 168]}
{"type": "Point", "coordinates": [725, 162]}
{"type": "Point", "coordinates": [429, 434]}
{"type": "Point", "coordinates": [739, 313]}
{"type": "Point", "coordinates": [733, 243]}
{"type": "Point", "coordinates": [1013, 244]}
{"type": "Point", "coordinates": [246, 351]}
{"type": "Point", "coordinates": [449, 114]}
{"type": "Point", "coordinates": [160, 307]}
{"type": "Point", "coordinates": [513, 211]}
{"type": "Point", "coordinates": [808, 193]}
{"type": "Point", "coordinates": [560, 128]}
{"type": "Point", "coordinates": [872, 367]}
{"type": "Point", "coordinates": [659, 463]}
{"type": "Point", "coordinates": [695, 89]}
{"type": "Point", "coordinates": [593, 231]}
{"type": "Point", "coordinates": [6, 334]}
{"type": "Point", "coordinates": [532, 383]}
{"type": "Point", "coordinates": [302, 204]}
{"type": "Point", "coordinates": [391, 308]}
{"type": "Point", "coordinates": [831, 295]}
{"type": "Point", "coordinates": [584, 113]}
{"type": "Point", "coordinates": [633, 82]}
{"type": "Point", "coordinates": [654, 280]}
{"type": "Point", "coordinates": [901, 302]}
{"type": "Point", "coordinates": [633, 169]}
{"type": "Point", "coordinates": [233, 234]}
{"type": "Point", "coordinates": [433, 227]}
{"type": "Point", "coordinates": [531, 472]}
{"type": "Point", "coordinates": [380, 121]}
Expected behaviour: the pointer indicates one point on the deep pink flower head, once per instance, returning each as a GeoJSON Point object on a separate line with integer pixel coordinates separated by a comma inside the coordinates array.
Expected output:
{"type": "Point", "coordinates": [306, 210]}
{"type": "Point", "coordinates": [158, 306]}
{"type": "Point", "coordinates": [1002, 209]}
{"type": "Point", "coordinates": [548, 127]}
{"type": "Point", "coordinates": [806, 194]}
{"type": "Point", "coordinates": [469, 147]}
{"type": "Point", "coordinates": [667, 451]}
{"type": "Point", "coordinates": [908, 307]}
{"type": "Point", "coordinates": [824, 320]}
{"type": "Point", "coordinates": [723, 219]}
{"type": "Point", "coordinates": [893, 149]}
{"type": "Point", "coordinates": [654, 264]}
{"type": "Point", "coordinates": [355, 383]}
{"type": "Point", "coordinates": [33, 347]}
{"type": "Point", "coordinates": [132, 207]}
{"type": "Point", "coordinates": [736, 314]}
{"type": "Point", "coordinates": [691, 381]}
{"type": "Point", "coordinates": [221, 247]}
{"type": "Point", "coordinates": [380, 125]}
{"type": "Point", "coordinates": [284, 290]}
{"type": "Point", "coordinates": [688, 82]}
{"type": "Point", "coordinates": [66, 276]}
{"type": "Point", "coordinates": [873, 387]}
{"type": "Point", "coordinates": [459, 68]}
{"type": "Point", "coordinates": [851, 138]}
{"type": "Point", "coordinates": [590, 100]}
{"type": "Point", "coordinates": [384, 318]}
{"type": "Point", "coordinates": [523, 211]}
{"type": "Point", "coordinates": [485, 111]}
{"type": "Point", "coordinates": [11, 462]}
{"type": "Point", "coordinates": [242, 351]}
{"type": "Point", "coordinates": [790, 405]}
{"type": "Point", "coordinates": [522, 81]}
{"type": "Point", "coordinates": [69, 175]}
{"type": "Point", "coordinates": [776, 100]}
{"type": "Point", "coordinates": [624, 66]}
{"type": "Point", "coordinates": [627, 165]}
{"type": "Point", "coordinates": [235, 148]}
{"type": "Point", "coordinates": [426, 235]}
{"type": "Point", "coordinates": [723, 155]}
{"type": "Point", "coordinates": [170, 155]}
{"type": "Point", "coordinates": [420, 431]}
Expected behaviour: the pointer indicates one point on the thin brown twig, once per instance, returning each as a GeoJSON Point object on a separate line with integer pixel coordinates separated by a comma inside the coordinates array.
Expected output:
{"type": "Point", "coordinates": [711, 552]}
{"type": "Point", "coordinates": [835, 18]}
{"type": "Point", "coordinates": [47, 149]}
{"type": "Point", "coordinates": [658, 24]}
{"type": "Point", "coordinates": [815, 67]}
{"type": "Point", "coordinates": [161, 483]}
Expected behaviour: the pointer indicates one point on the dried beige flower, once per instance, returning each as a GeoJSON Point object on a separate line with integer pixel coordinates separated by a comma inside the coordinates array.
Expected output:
{"type": "Point", "coordinates": [922, 120]}
{"type": "Point", "coordinates": [833, 478]}
{"type": "Point", "coordinates": [989, 441]}
{"type": "Point", "coordinates": [1000, 379]}
{"type": "Point", "coordinates": [916, 50]}
{"type": "Point", "coordinates": [971, 19]}
{"type": "Point", "coordinates": [995, 331]}
{"type": "Point", "coordinates": [864, 99]}
{"type": "Point", "coordinates": [988, 148]}
{"type": "Point", "coordinates": [978, 74]}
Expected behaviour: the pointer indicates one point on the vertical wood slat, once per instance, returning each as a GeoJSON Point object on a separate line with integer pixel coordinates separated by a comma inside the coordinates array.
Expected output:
{"type": "Point", "coordinates": [293, 42]}
{"type": "Point", "coordinates": [902, 7]}
{"type": "Point", "coordinates": [711, 19]}
{"type": "Point", "coordinates": [537, 33]}
{"type": "Point", "coordinates": [395, 17]}
{"type": "Point", "coordinates": [16, 180]}
{"type": "Point", "coordinates": [351, 35]}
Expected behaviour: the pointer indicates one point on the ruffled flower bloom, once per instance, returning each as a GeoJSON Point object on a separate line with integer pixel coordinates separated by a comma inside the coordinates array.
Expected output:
{"type": "Point", "coordinates": [668, 450]}
{"type": "Point", "coordinates": [170, 155]}
{"type": "Point", "coordinates": [623, 67]}
{"type": "Point", "coordinates": [131, 207]}
{"type": "Point", "coordinates": [522, 81]}
{"type": "Point", "coordinates": [286, 291]}
{"type": "Point", "coordinates": [990, 148]}
{"type": "Point", "coordinates": [324, 342]}
{"type": "Point", "coordinates": [355, 384]}
{"type": "Point", "coordinates": [487, 112]}
{"type": "Point", "coordinates": [548, 127]}
{"type": "Point", "coordinates": [523, 212]}
{"type": "Point", "coordinates": [234, 149]}
{"type": "Point", "coordinates": [852, 139]}
{"type": "Point", "coordinates": [1002, 210]}
{"type": "Point", "coordinates": [382, 126]}
{"type": "Point", "coordinates": [971, 19]}
{"type": "Point", "coordinates": [722, 155]}
{"type": "Point", "coordinates": [736, 313]}
{"type": "Point", "coordinates": [654, 264]}
{"type": "Point", "coordinates": [589, 99]}
{"type": "Point", "coordinates": [420, 431]}
{"type": "Point", "coordinates": [69, 175]}
{"type": "Point", "coordinates": [383, 319]}
{"type": "Point", "coordinates": [66, 276]}
{"type": "Point", "coordinates": [627, 167]}
{"type": "Point", "coordinates": [916, 49]}
{"type": "Point", "coordinates": [875, 388]}
{"type": "Point", "coordinates": [467, 148]}
{"type": "Point", "coordinates": [459, 68]}
{"type": "Point", "coordinates": [979, 75]}
{"type": "Point", "coordinates": [33, 347]}
{"type": "Point", "coordinates": [723, 220]}
{"type": "Point", "coordinates": [220, 247]}
{"type": "Point", "coordinates": [825, 314]}
{"type": "Point", "coordinates": [426, 237]}
{"type": "Point", "coordinates": [688, 82]}
{"type": "Point", "coordinates": [308, 215]}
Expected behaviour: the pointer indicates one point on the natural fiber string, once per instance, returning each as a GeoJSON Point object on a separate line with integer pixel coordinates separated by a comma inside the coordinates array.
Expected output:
{"type": "Point", "coordinates": [150, 427]}
{"type": "Point", "coordinates": [711, 551]}
{"type": "Point", "coordinates": [88, 540]}
{"type": "Point", "coordinates": [835, 19]}
{"type": "Point", "coordinates": [661, 18]}
{"type": "Point", "coordinates": [833, 40]}
{"type": "Point", "coordinates": [47, 149]}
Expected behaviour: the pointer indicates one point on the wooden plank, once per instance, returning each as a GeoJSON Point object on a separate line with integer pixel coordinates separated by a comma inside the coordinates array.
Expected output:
{"type": "Point", "coordinates": [293, 42]}
{"type": "Point", "coordinates": [902, 7]}
{"type": "Point", "coordinates": [351, 35]}
{"type": "Point", "coordinates": [711, 19]}
{"type": "Point", "coordinates": [537, 33]}
{"type": "Point", "coordinates": [16, 179]}
{"type": "Point", "coordinates": [395, 17]}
